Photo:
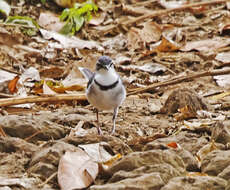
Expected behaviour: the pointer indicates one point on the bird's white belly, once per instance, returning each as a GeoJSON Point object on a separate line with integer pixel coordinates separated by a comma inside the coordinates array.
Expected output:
{"type": "Point", "coordinates": [106, 100]}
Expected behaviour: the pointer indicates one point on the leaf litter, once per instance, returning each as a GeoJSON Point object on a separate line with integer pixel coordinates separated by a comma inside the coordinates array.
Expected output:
{"type": "Point", "coordinates": [158, 47]}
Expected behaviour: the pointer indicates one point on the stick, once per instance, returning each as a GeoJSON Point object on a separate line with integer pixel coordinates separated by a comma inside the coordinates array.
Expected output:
{"type": "Point", "coordinates": [36, 99]}
{"type": "Point", "coordinates": [163, 12]}
{"type": "Point", "coordinates": [48, 179]}
{"type": "Point", "coordinates": [181, 79]}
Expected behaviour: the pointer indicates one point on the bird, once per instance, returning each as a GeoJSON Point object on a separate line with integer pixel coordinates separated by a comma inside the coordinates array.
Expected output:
{"type": "Point", "coordinates": [105, 89]}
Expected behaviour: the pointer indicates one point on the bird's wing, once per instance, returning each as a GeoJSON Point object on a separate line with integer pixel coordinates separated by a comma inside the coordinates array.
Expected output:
{"type": "Point", "coordinates": [86, 73]}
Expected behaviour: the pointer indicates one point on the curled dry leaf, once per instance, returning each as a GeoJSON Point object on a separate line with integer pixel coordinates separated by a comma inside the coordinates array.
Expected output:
{"type": "Point", "coordinates": [50, 21]}
{"type": "Point", "coordinates": [206, 45]}
{"type": "Point", "coordinates": [76, 170]}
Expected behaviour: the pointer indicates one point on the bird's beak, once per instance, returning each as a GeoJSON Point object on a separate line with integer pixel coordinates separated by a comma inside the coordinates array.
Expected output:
{"type": "Point", "coordinates": [99, 65]}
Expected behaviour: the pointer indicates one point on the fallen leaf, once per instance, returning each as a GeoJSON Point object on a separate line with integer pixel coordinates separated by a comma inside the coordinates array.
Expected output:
{"type": "Point", "coordinates": [167, 45]}
{"type": "Point", "coordinates": [24, 182]}
{"type": "Point", "coordinates": [224, 57]}
{"type": "Point", "coordinates": [138, 38]}
{"type": "Point", "coordinates": [98, 18]}
{"type": "Point", "coordinates": [70, 42]}
{"type": "Point", "coordinates": [12, 85]}
{"type": "Point", "coordinates": [7, 39]}
{"type": "Point", "coordinates": [172, 145]}
{"type": "Point", "coordinates": [134, 39]}
{"type": "Point", "coordinates": [171, 4]}
{"type": "Point", "coordinates": [222, 80]}
{"type": "Point", "coordinates": [151, 32]}
{"type": "Point", "coordinates": [76, 170]}
{"type": "Point", "coordinates": [50, 21]}
{"type": "Point", "coordinates": [53, 72]}
{"type": "Point", "coordinates": [206, 45]}
{"type": "Point", "coordinates": [97, 152]}
{"type": "Point", "coordinates": [6, 76]}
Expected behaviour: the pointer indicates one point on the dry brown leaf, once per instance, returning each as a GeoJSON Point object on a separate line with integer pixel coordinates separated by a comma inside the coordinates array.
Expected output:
{"type": "Point", "coordinates": [134, 39]}
{"type": "Point", "coordinates": [151, 32]}
{"type": "Point", "coordinates": [76, 170]}
{"type": "Point", "coordinates": [7, 39]}
{"type": "Point", "coordinates": [167, 46]}
{"type": "Point", "coordinates": [12, 85]}
{"type": "Point", "coordinates": [206, 45]}
{"type": "Point", "coordinates": [138, 38]}
{"type": "Point", "coordinates": [50, 21]}
{"type": "Point", "coordinates": [54, 72]}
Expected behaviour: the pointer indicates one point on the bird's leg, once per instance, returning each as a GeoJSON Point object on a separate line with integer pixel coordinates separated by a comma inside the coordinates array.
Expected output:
{"type": "Point", "coordinates": [98, 124]}
{"type": "Point", "coordinates": [114, 120]}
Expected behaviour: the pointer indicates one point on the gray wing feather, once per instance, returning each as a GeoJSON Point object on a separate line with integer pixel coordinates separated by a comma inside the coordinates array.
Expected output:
{"type": "Point", "coordinates": [86, 73]}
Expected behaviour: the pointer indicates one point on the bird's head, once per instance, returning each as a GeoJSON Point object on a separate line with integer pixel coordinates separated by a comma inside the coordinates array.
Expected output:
{"type": "Point", "coordinates": [104, 63]}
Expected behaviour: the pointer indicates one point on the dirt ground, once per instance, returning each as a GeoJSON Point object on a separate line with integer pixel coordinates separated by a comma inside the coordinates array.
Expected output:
{"type": "Point", "coordinates": [171, 56]}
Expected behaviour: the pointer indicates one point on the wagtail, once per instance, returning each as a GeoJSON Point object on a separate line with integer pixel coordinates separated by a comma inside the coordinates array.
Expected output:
{"type": "Point", "coordinates": [105, 90]}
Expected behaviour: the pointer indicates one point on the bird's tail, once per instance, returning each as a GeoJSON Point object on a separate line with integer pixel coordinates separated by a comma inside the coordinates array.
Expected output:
{"type": "Point", "coordinates": [86, 73]}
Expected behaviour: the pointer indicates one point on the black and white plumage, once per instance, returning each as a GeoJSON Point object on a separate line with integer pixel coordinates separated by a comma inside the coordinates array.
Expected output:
{"type": "Point", "coordinates": [105, 90]}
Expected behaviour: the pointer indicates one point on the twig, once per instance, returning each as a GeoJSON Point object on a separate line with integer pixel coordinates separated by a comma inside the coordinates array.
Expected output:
{"type": "Point", "coordinates": [2, 132]}
{"type": "Point", "coordinates": [163, 12]}
{"type": "Point", "coordinates": [48, 179]}
{"type": "Point", "coordinates": [36, 99]}
{"type": "Point", "coordinates": [181, 79]}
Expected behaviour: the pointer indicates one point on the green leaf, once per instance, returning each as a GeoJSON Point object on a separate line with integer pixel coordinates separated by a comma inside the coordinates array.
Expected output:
{"type": "Point", "coordinates": [76, 17]}
{"type": "Point", "coordinates": [23, 20]}
{"type": "Point", "coordinates": [79, 21]}
{"type": "Point", "coordinates": [67, 28]}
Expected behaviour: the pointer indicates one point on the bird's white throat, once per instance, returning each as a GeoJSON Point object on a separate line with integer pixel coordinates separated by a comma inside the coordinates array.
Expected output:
{"type": "Point", "coordinates": [106, 77]}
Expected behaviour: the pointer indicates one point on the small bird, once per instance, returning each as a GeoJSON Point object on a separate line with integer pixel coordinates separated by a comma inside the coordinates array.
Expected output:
{"type": "Point", "coordinates": [105, 90]}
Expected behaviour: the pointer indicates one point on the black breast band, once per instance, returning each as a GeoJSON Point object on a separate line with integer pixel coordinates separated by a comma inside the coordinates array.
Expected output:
{"type": "Point", "coordinates": [106, 87]}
